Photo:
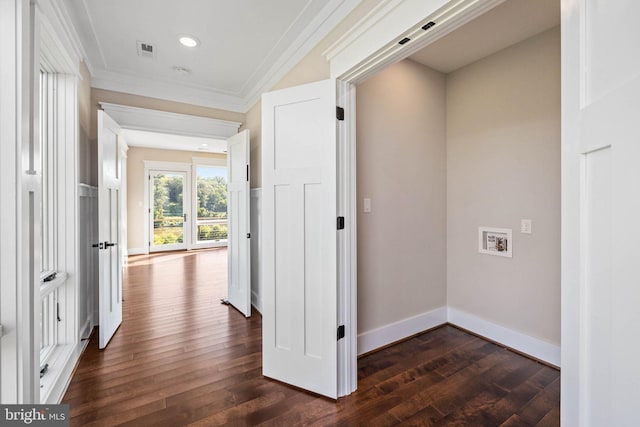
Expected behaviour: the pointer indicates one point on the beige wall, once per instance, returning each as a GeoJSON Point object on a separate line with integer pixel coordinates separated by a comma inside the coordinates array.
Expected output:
{"type": "Point", "coordinates": [503, 165]}
{"type": "Point", "coordinates": [100, 95]}
{"type": "Point", "coordinates": [311, 68]}
{"type": "Point", "coordinates": [401, 167]}
{"type": "Point", "coordinates": [136, 182]}
{"type": "Point", "coordinates": [85, 147]}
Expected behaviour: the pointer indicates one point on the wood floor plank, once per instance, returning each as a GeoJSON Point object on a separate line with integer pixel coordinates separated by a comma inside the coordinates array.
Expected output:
{"type": "Point", "coordinates": [181, 358]}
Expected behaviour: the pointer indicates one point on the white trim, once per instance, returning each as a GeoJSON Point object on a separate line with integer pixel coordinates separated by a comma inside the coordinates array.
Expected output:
{"type": "Point", "coordinates": [68, 31]}
{"type": "Point", "coordinates": [396, 331]}
{"type": "Point", "coordinates": [535, 347]}
{"type": "Point", "coordinates": [148, 120]}
{"type": "Point", "coordinates": [136, 251]}
{"type": "Point", "coordinates": [324, 22]}
{"type": "Point", "coordinates": [194, 95]}
{"type": "Point", "coordinates": [347, 241]}
{"type": "Point", "coordinates": [373, 43]}
{"type": "Point", "coordinates": [85, 190]}
{"type": "Point", "coordinates": [255, 210]}
{"type": "Point", "coordinates": [54, 26]}
{"type": "Point", "coordinates": [14, 31]}
{"type": "Point", "coordinates": [264, 78]}
{"type": "Point", "coordinates": [65, 376]}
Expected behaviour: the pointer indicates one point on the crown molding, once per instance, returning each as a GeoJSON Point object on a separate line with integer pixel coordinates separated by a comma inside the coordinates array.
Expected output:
{"type": "Point", "coordinates": [172, 123]}
{"type": "Point", "coordinates": [103, 78]}
{"type": "Point", "coordinates": [58, 14]}
{"type": "Point", "coordinates": [330, 16]}
{"type": "Point", "coordinates": [202, 96]}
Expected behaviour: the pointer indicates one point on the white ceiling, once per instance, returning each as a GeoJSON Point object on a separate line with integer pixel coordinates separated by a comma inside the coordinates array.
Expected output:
{"type": "Point", "coordinates": [507, 24]}
{"type": "Point", "coordinates": [246, 45]}
{"type": "Point", "coordinates": [141, 138]}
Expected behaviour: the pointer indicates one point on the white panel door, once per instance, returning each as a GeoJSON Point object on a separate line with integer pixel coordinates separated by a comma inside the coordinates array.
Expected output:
{"type": "Point", "coordinates": [600, 211]}
{"type": "Point", "coordinates": [238, 204]}
{"type": "Point", "coordinates": [299, 236]}
{"type": "Point", "coordinates": [109, 211]}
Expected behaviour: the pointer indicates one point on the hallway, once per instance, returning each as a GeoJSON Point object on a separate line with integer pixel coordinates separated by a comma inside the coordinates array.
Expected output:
{"type": "Point", "coordinates": [180, 357]}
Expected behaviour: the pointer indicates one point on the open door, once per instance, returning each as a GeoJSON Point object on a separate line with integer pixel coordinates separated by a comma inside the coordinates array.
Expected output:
{"type": "Point", "coordinates": [600, 205]}
{"type": "Point", "coordinates": [109, 211]}
{"type": "Point", "coordinates": [299, 235]}
{"type": "Point", "coordinates": [238, 199]}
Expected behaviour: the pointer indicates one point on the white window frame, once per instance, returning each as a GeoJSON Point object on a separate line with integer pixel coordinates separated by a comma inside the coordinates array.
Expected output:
{"type": "Point", "coordinates": [151, 166]}
{"type": "Point", "coordinates": [203, 161]}
{"type": "Point", "coordinates": [58, 160]}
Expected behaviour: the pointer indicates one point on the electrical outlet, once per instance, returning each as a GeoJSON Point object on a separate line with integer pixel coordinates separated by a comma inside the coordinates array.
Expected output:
{"type": "Point", "coordinates": [525, 226]}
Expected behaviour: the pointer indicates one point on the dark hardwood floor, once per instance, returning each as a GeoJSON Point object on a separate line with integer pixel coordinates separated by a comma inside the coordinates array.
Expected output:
{"type": "Point", "coordinates": [182, 358]}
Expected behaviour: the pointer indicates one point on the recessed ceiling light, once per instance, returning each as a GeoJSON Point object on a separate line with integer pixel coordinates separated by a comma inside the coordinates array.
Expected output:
{"type": "Point", "coordinates": [188, 41]}
{"type": "Point", "coordinates": [204, 144]}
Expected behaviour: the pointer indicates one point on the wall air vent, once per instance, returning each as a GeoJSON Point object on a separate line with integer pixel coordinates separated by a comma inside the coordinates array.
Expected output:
{"type": "Point", "coordinates": [146, 50]}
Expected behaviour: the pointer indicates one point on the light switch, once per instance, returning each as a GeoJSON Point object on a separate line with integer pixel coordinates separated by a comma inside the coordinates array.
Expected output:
{"type": "Point", "coordinates": [366, 206]}
{"type": "Point", "coordinates": [525, 226]}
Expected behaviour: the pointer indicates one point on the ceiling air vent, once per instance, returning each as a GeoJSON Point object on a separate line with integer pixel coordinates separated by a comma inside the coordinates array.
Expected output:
{"type": "Point", "coordinates": [146, 49]}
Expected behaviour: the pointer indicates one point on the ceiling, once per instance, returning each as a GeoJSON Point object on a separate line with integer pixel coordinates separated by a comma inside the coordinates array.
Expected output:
{"type": "Point", "coordinates": [505, 25]}
{"type": "Point", "coordinates": [165, 141]}
{"type": "Point", "coordinates": [246, 46]}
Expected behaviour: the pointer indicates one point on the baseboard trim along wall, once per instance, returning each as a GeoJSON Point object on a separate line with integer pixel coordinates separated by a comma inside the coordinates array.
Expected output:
{"type": "Point", "coordinates": [396, 331]}
{"type": "Point", "coordinates": [256, 302]}
{"type": "Point", "coordinates": [526, 344]}
{"type": "Point", "coordinates": [383, 336]}
{"type": "Point", "coordinates": [136, 251]}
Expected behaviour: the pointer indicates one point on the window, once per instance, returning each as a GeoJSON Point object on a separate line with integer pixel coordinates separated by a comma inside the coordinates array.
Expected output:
{"type": "Point", "coordinates": [211, 192]}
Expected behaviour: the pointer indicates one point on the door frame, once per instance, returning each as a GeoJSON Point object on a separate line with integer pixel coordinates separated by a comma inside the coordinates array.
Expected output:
{"type": "Point", "coordinates": [156, 166]}
{"type": "Point", "coordinates": [370, 46]}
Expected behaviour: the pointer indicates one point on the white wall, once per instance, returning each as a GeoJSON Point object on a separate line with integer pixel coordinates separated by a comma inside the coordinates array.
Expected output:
{"type": "Point", "coordinates": [401, 167]}
{"type": "Point", "coordinates": [503, 165]}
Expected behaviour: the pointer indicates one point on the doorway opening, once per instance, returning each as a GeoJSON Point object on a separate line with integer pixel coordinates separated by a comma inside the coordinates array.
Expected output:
{"type": "Point", "coordinates": [187, 207]}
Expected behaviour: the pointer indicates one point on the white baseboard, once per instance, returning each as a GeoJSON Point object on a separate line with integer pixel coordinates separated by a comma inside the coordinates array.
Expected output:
{"type": "Point", "coordinates": [527, 344]}
{"type": "Point", "coordinates": [376, 338]}
{"type": "Point", "coordinates": [136, 251]}
{"type": "Point", "coordinates": [256, 302]}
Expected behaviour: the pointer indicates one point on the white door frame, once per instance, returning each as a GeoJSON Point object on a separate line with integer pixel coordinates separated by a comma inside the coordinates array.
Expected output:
{"type": "Point", "coordinates": [150, 166]}
{"type": "Point", "coordinates": [370, 46]}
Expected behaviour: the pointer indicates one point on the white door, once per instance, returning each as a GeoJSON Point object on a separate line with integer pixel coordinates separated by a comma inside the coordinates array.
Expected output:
{"type": "Point", "coordinates": [299, 236]}
{"type": "Point", "coordinates": [169, 202]}
{"type": "Point", "coordinates": [600, 212]}
{"type": "Point", "coordinates": [109, 200]}
{"type": "Point", "coordinates": [239, 243]}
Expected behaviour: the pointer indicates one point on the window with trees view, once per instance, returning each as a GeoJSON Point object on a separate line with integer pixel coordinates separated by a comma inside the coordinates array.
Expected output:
{"type": "Point", "coordinates": [211, 189]}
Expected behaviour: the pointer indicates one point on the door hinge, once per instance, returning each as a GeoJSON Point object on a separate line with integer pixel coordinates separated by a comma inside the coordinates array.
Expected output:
{"type": "Point", "coordinates": [339, 113]}
{"type": "Point", "coordinates": [58, 312]}
{"type": "Point", "coordinates": [340, 223]}
{"type": "Point", "coordinates": [44, 370]}
{"type": "Point", "coordinates": [149, 177]}
{"type": "Point", "coordinates": [247, 173]}
{"type": "Point", "coordinates": [248, 235]}
{"type": "Point", "coordinates": [340, 332]}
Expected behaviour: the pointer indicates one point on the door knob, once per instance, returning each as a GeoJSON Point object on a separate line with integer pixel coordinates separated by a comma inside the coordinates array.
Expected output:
{"type": "Point", "coordinates": [98, 245]}
{"type": "Point", "coordinates": [109, 244]}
